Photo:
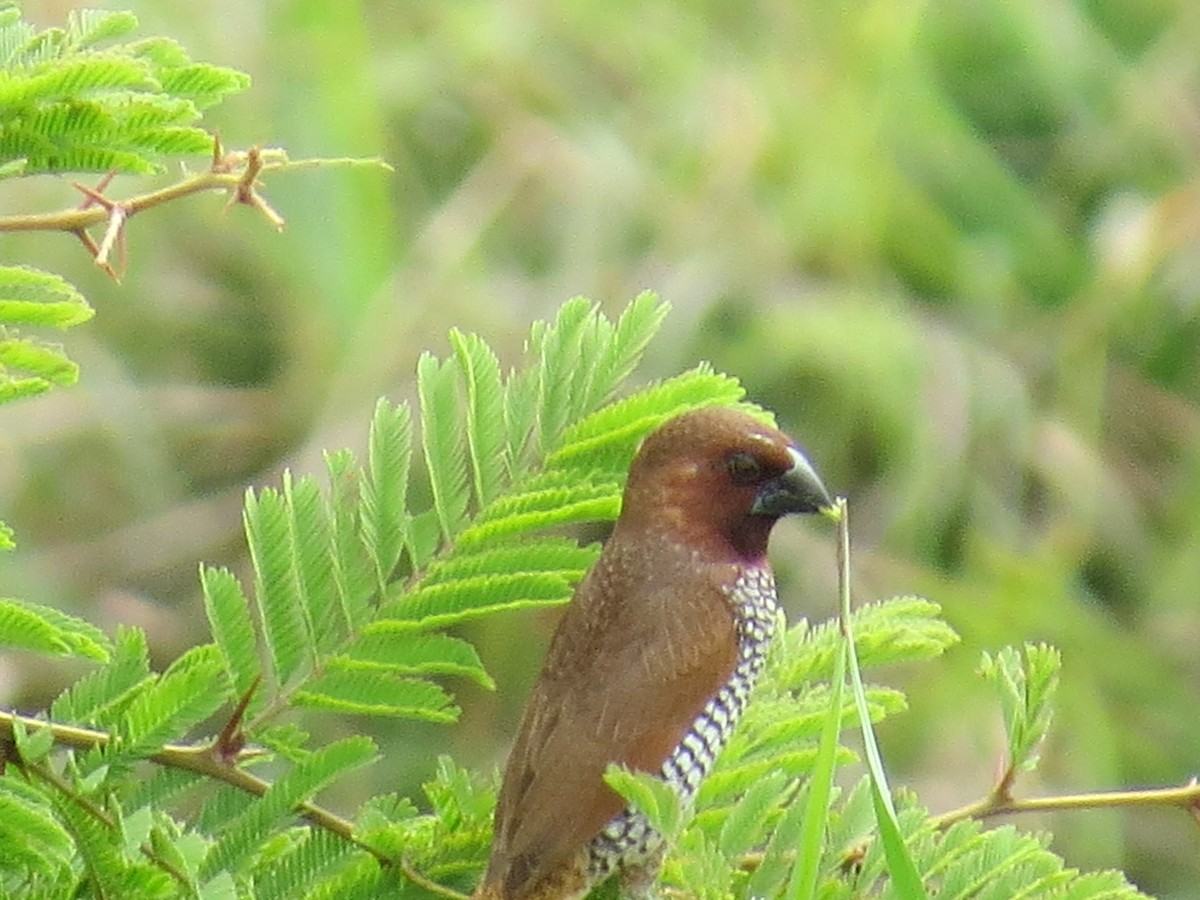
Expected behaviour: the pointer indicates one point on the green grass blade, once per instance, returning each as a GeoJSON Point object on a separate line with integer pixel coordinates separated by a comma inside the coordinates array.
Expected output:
{"type": "Point", "coordinates": [803, 883]}
{"type": "Point", "coordinates": [904, 876]}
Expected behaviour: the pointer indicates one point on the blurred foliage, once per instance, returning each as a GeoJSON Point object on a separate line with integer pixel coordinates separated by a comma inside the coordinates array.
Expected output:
{"type": "Point", "coordinates": [951, 243]}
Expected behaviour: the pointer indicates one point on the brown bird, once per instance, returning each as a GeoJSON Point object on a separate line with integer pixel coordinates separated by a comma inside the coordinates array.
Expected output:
{"type": "Point", "coordinates": [654, 658]}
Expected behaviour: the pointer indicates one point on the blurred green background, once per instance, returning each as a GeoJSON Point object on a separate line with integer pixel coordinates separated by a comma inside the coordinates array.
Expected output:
{"type": "Point", "coordinates": [952, 243]}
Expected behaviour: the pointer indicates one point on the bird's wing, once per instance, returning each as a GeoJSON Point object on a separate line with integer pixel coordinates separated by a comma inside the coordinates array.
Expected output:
{"type": "Point", "coordinates": [589, 709]}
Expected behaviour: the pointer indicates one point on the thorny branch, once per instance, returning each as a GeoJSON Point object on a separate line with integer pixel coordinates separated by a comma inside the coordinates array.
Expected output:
{"type": "Point", "coordinates": [238, 173]}
{"type": "Point", "coordinates": [203, 759]}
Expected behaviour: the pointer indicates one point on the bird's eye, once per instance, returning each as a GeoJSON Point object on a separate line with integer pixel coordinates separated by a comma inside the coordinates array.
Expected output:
{"type": "Point", "coordinates": [744, 468]}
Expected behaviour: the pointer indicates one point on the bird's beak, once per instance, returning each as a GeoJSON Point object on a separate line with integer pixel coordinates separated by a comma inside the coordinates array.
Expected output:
{"type": "Point", "coordinates": [798, 490]}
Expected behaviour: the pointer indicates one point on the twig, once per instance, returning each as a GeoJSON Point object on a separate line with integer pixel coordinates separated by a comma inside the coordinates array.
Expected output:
{"type": "Point", "coordinates": [1186, 797]}
{"type": "Point", "coordinates": [203, 759]}
{"type": "Point", "coordinates": [237, 173]}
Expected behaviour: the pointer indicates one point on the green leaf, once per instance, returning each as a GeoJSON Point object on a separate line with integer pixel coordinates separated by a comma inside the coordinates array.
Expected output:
{"type": "Point", "coordinates": [441, 605]}
{"type": "Point", "coordinates": [354, 575]}
{"type": "Point", "coordinates": [192, 689]}
{"type": "Point", "coordinates": [384, 490]}
{"type": "Point", "coordinates": [442, 440]}
{"type": "Point", "coordinates": [46, 364]}
{"type": "Point", "coordinates": [31, 748]}
{"type": "Point", "coordinates": [31, 838]}
{"type": "Point", "coordinates": [539, 554]}
{"type": "Point", "coordinates": [100, 697]}
{"type": "Point", "coordinates": [485, 414]}
{"type": "Point", "coordinates": [803, 882]}
{"type": "Point", "coordinates": [902, 629]}
{"type": "Point", "coordinates": [294, 872]}
{"type": "Point", "coordinates": [744, 827]}
{"type": "Point", "coordinates": [652, 796]}
{"type": "Point", "coordinates": [43, 629]}
{"type": "Point", "coordinates": [612, 363]}
{"type": "Point", "coordinates": [608, 439]}
{"type": "Point", "coordinates": [241, 836]}
{"type": "Point", "coordinates": [268, 533]}
{"type": "Point", "coordinates": [312, 572]}
{"type": "Point", "coordinates": [369, 690]}
{"type": "Point", "coordinates": [544, 501]}
{"type": "Point", "coordinates": [561, 372]}
{"type": "Point", "coordinates": [1026, 682]}
{"type": "Point", "coordinates": [33, 297]}
{"type": "Point", "coordinates": [395, 647]}
{"type": "Point", "coordinates": [229, 617]}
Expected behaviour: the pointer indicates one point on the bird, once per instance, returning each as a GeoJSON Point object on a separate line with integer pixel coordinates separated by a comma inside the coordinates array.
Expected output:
{"type": "Point", "coordinates": [654, 658]}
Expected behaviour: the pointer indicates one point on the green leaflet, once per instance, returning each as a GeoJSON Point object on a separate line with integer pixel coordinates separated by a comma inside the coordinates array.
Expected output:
{"type": "Point", "coordinates": [77, 99]}
{"type": "Point", "coordinates": [98, 698]}
{"type": "Point", "coordinates": [384, 488]}
{"type": "Point", "coordinates": [43, 629]}
{"type": "Point", "coordinates": [364, 689]}
{"type": "Point", "coordinates": [269, 536]}
{"type": "Point", "coordinates": [229, 617]}
{"type": "Point", "coordinates": [484, 414]}
{"type": "Point", "coordinates": [1025, 681]}
{"type": "Point", "coordinates": [191, 690]}
{"type": "Point", "coordinates": [239, 837]}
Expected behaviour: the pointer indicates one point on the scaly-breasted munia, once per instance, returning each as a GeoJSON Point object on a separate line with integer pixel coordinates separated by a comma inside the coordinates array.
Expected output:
{"type": "Point", "coordinates": [654, 658]}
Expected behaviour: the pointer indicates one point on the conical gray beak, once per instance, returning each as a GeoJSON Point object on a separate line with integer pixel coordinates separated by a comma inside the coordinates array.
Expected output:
{"type": "Point", "coordinates": [798, 490]}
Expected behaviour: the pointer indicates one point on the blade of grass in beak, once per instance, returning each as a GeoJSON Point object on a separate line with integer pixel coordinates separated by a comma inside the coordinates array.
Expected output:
{"type": "Point", "coordinates": [905, 879]}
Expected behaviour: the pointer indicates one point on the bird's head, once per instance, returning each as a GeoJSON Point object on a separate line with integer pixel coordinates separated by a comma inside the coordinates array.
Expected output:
{"type": "Point", "coordinates": [717, 480]}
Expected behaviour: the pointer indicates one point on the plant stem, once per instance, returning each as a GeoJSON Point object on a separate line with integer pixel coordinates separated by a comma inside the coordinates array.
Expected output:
{"type": "Point", "coordinates": [235, 173]}
{"type": "Point", "coordinates": [1186, 797]}
{"type": "Point", "coordinates": [201, 759]}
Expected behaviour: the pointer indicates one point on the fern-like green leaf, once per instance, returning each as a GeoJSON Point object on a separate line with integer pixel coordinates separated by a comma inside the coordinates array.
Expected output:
{"type": "Point", "coordinates": [441, 605]}
{"type": "Point", "coordinates": [895, 630]}
{"type": "Point", "coordinates": [650, 795]}
{"type": "Point", "coordinates": [161, 789]}
{"type": "Point", "coordinates": [608, 439]}
{"type": "Point", "coordinates": [1026, 682]}
{"type": "Point", "coordinates": [535, 554]}
{"type": "Point", "coordinates": [385, 489]}
{"type": "Point", "coordinates": [561, 372]}
{"type": "Point", "coordinates": [192, 689]}
{"type": "Point", "coordinates": [100, 697]}
{"type": "Point", "coordinates": [395, 647]}
{"type": "Point", "coordinates": [39, 362]}
{"type": "Point", "coordinates": [43, 629]}
{"type": "Point", "coordinates": [370, 690]}
{"type": "Point", "coordinates": [68, 78]}
{"type": "Point", "coordinates": [547, 500]}
{"type": "Point", "coordinates": [31, 838]}
{"type": "Point", "coordinates": [312, 573]}
{"type": "Point", "coordinates": [241, 836]}
{"type": "Point", "coordinates": [747, 822]}
{"type": "Point", "coordinates": [88, 27]}
{"type": "Point", "coordinates": [233, 631]}
{"type": "Point", "coordinates": [80, 98]}
{"type": "Point", "coordinates": [108, 869]}
{"type": "Point", "coordinates": [350, 566]}
{"type": "Point", "coordinates": [485, 413]}
{"type": "Point", "coordinates": [619, 352]}
{"type": "Point", "coordinates": [292, 874]}
{"type": "Point", "coordinates": [520, 419]}
{"type": "Point", "coordinates": [32, 297]}
{"type": "Point", "coordinates": [204, 85]}
{"type": "Point", "coordinates": [442, 440]}
{"type": "Point", "coordinates": [268, 533]}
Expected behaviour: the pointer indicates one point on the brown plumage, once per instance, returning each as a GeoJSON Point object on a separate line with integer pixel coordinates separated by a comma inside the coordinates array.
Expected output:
{"type": "Point", "coordinates": [652, 661]}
